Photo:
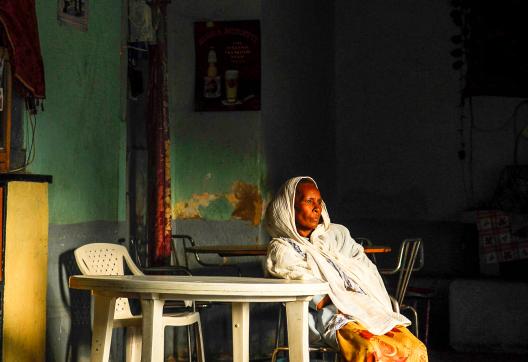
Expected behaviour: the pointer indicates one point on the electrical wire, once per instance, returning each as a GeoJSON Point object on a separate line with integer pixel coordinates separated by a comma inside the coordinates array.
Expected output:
{"type": "Point", "coordinates": [31, 123]}
{"type": "Point", "coordinates": [517, 135]}
{"type": "Point", "coordinates": [505, 123]}
{"type": "Point", "coordinates": [514, 116]}
{"type": "Point", "coordinates": [516, 148]}
{"type": "Point", "coordinates": [462, 155]}
{"type": "Point", "coordinates": [471, 168]}
{"type": "Point", "coordinates": [464, 183]}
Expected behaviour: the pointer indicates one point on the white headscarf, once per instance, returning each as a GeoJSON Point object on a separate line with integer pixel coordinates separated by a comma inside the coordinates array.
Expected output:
{"type": "Point", "coordinates": [373, 308]}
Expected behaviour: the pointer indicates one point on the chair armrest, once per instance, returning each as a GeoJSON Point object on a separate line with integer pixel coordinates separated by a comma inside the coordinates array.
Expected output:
{"type": "Point", "coordinates": [400, 259]}
{"type": "Point", "coordinates": [183, 239]}
{"type": "Point", "coordinates": [187, 239]}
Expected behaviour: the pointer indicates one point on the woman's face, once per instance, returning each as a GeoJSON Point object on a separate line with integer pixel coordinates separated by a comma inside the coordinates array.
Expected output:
{"type": "Point", "coordinates": [308, 207]}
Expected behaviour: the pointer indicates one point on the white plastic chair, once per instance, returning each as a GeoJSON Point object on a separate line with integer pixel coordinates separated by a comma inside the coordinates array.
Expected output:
{"type": "Point", "coordinates": [107, 259]}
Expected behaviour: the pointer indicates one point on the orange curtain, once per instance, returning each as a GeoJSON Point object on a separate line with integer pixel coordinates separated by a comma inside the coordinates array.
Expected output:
{"type": "Point", "coordinates": [158, 143]}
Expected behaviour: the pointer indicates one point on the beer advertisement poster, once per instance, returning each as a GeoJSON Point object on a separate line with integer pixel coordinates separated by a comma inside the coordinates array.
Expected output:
{"type": "Point", "coordinates": [227, 65]}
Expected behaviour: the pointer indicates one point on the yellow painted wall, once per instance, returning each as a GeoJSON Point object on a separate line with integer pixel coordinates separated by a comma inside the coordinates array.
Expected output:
{"type": "Point", "coordinates": [26, 257]}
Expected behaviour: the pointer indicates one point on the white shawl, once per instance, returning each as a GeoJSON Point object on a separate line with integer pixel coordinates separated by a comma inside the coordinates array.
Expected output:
{"type": "Point", "coordinates": [372, 308]}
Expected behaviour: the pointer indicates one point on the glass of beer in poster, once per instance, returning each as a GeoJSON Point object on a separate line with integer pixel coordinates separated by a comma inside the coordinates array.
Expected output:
{"type": "Point", "coordinates": [231, 84]}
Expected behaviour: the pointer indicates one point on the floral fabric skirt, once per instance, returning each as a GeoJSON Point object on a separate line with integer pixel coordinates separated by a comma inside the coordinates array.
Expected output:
{"type": "Point", "coordinates": [359, 345]}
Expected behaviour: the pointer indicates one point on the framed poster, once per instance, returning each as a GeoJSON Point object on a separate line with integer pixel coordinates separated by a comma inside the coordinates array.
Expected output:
{"type": "Point", "coordinates": [227, 65]}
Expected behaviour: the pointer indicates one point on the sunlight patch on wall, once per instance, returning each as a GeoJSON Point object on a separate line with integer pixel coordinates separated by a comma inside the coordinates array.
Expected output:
{"type": "Point", "coordinates": [243, 202]}
{"type": "Point", "coordinates": [247, 201]}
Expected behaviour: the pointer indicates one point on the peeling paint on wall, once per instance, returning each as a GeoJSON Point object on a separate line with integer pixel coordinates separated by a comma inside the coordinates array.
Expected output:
{"type": "Point", "coordinates": [190, 209]}
{"type": "Point", "coordinates": [244, 202]}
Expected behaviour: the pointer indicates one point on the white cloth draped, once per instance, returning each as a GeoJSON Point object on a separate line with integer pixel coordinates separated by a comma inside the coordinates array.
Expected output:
{"type": "Point", "coordinates": [370, 304]}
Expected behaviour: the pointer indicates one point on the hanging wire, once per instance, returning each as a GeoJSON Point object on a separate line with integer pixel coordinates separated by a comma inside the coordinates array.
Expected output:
{"type": "Point", "coordinates": [513, 119]}
{"type": "Point", "coordinates": [462, 154]}
{"type": "Point", "coordinates": [31, 124]}
{"type": "Point", "coordinates": [504, 123]}
{"type": "Point", "coordinates": [514, 115]}
{"type": "Point", "coordinates": [470, 159]}
{"type": "Point", "coordinates": [517, 135]}
{"type": "Point", "coordinates": [460, 15]}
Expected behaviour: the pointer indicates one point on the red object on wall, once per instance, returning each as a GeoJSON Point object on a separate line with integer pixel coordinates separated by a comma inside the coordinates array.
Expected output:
{"type": "Point", "coordinates": [158, 143]}
{"type": "Point", "coordinates": [19, 20]}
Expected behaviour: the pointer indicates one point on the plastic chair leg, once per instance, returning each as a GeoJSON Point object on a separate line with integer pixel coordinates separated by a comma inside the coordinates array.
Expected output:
{"type": "Point", "coordinates": [133, 344]}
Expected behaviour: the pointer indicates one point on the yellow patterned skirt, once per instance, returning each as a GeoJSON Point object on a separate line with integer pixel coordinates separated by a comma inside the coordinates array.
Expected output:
{"type": "Point", "coordinates": [359, 345]}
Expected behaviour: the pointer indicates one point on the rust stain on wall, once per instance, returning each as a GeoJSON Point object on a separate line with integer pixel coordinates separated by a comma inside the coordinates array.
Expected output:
{"type": "Point", "coordinates": [247, 201]}
{"type": "Point", "coordinates": [189, 209]}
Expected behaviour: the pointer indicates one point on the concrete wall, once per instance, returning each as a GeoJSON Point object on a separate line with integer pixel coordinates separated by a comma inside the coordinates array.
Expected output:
{"type": "Point", "coordinates": [397, 138]}
{"type": "Point", "coordinates": [398, 121]}
{"type": "Point", "coordinates": [397, 116]}
{"type": "Point", "coordinates": [80, 142]}
{"type": "Point", "coordinates": [298, 92]}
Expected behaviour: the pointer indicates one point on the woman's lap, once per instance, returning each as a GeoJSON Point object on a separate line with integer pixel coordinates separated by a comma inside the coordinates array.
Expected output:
{"type": "Point", "coordinates": [359, 345]}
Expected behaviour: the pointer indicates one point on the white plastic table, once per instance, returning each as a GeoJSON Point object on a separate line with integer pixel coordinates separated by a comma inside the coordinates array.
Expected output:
{"type": "Point", "coordinates": [154, 290]}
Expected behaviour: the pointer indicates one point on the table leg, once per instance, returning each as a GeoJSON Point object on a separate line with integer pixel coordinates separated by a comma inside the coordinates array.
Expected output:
{"type": "Point", "coordinates": [240, 324]}
{"type": "Point", "coordinates": [297, 322]}
{"type": "Point", "coordinates": [104, 308]}
{"type": "Point", "coordinates": [152, 347]}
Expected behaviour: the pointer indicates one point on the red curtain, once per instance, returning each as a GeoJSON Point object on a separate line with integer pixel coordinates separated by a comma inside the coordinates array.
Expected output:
{"type": "Point", "coordinates": [19, 20]}
{"type": "Point", "coordinates": [159, 198]}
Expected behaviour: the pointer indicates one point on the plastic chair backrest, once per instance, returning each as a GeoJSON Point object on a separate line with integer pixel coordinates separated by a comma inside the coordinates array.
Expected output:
{"type": "Point", "coordinates": [107, 259]}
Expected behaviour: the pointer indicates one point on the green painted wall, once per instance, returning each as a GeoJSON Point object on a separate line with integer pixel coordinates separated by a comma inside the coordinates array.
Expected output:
{"type": "Point", "coordinates": [80, 137]}
{"type": "Point", "coordinates": [218, 166]}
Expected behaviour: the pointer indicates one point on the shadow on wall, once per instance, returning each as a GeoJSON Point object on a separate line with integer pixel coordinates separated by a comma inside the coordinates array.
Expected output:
{"type": "Point", "coordinates": [77, 302]}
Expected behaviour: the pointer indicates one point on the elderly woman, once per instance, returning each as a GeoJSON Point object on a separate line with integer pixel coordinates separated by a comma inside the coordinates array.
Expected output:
{"type": "Point", "coordinates": [356, 315]}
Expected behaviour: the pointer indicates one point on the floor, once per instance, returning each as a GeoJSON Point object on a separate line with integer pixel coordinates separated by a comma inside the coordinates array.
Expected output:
{"type": "Point", "coordinates": [452, 356]}
{"type": "Point", "coordinates": [445, 356]}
